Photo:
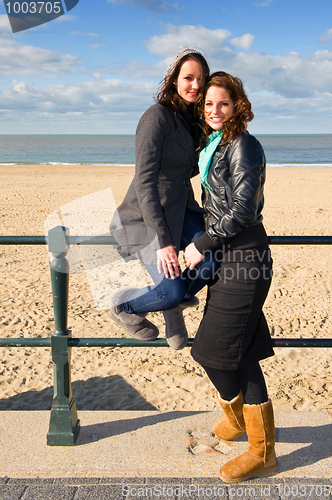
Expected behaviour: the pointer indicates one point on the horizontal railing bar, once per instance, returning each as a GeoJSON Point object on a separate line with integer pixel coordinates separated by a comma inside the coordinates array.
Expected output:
{"type": "Point", "coordinates": [72, 240]}
{"type": "Point", "coordinates": [109, 240]}
{"type": "Point", "coordinates": [302, 342]}
{"type": "Point", "coordinates": [24, 342]}
{"type": "Point", "coordinates": [119, 342]}
{"type": "Point", "coordinates": [124, 342]}
{"type": "Point", "coordinates": [23, 240]}
{"type": "Point", "coordinates": [300, 240]}
{"type": "Point", "coordinates": [91, 240]}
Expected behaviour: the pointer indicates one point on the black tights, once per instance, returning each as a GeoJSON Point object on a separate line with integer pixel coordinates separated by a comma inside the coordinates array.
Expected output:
{"type": "Point", "coordinates": [249, 380]}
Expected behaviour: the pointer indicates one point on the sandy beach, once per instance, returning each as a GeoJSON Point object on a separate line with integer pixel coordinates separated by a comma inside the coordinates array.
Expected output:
{"type": "Point", "coordinates": [298, 202]}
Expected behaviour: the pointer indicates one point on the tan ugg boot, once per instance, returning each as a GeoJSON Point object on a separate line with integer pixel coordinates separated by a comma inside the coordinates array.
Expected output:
{"type": "Point", "coordinates": [232, 425]}
{"type": "Point", "coordinates": [260, 459]}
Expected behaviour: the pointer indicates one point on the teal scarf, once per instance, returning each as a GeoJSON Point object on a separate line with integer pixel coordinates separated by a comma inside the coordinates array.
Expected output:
{"type": "Point", "coordinates": [206, 156]}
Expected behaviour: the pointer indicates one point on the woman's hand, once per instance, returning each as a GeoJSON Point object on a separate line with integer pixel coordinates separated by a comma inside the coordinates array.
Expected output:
{"type": "Point", "coordinates": [192, 256]}
{"type": "Point", "coordinates": [167, 262]}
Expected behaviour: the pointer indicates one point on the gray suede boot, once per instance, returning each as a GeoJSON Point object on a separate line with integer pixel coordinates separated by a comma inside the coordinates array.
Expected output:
{"type": "Point", "coordinates": [134, 324]}
{"type": "Point", "coordinates": [176, 331]}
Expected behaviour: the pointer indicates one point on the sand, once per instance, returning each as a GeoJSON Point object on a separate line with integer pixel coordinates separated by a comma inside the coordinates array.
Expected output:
{"type": "Point", "coordinates": [298, 202]}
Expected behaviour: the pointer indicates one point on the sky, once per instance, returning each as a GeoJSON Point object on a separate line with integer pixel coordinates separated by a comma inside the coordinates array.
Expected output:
{"type": "Point", "coordinates": [96, 69]}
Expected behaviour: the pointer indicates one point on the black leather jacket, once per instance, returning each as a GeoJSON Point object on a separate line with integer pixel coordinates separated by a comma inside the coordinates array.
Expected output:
{"type": "Point", "coordinates": [235, 200]}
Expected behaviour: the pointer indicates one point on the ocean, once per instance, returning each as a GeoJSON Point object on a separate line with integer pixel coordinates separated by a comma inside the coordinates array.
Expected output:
{"type": "Point", "coordinates": [280, 150]}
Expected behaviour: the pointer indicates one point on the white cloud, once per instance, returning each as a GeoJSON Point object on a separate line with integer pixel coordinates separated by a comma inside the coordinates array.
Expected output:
{"type": "Point", "coordinates": [288, 75]}
{"type": "Point", "coordinates": [196, 37]}
{"type": "Point", "coordinates": [94, 106]}
{"type": "Point", "coordinates": [4, 25]}
{"type": "Point", "coordinates": [66, 17]}
{"type": "Point", "coordinates": [265, 3]}
{"type": "Point", "coordinates": [275, 114]}
{"type": "Point", "coordinates": [136, 69]}
{"type": "Point", "coordinates": [92, 96]}
{"type": "Point", "coordinates": [325, 37]}
{"type": "Point", "coordinates": [25, 60]}
{"type": "Point", "coordinates": [244, 42]}
{"type": "Point", "coordinates": [115, 106]}
{"type": "Point", "coordinates": [96, 45]}
{"type": "Point", "coordinates": [79, 33]}
{"type": "Point", "coordinates": [285, 89]}
{"type": "Point", "coordinates": [160, 6]}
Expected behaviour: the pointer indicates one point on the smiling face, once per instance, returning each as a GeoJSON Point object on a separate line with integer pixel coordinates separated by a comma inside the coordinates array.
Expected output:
{"type": "Point", "coordinates": [189, 81]}
{"type": "Point", "coordinates": [218, 106]}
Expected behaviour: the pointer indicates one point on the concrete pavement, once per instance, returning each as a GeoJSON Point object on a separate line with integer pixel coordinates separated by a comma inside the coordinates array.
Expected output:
{"type": "Point", "coordinates": [124, 454]}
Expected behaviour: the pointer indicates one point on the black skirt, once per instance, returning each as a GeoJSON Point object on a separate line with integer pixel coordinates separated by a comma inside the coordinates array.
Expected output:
{"type": "Point", "coordinates": [233, 332]}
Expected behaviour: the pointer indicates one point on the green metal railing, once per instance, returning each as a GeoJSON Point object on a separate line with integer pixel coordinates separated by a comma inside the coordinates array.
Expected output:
{"type": "Point", "coordinates": [64, 423]}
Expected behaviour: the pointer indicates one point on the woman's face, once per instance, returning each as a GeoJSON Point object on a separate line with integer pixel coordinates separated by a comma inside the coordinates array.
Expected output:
{"type": "Point", "coordinates": [189, 81]}
{"type": "Point", "coordinates": [218, 106]}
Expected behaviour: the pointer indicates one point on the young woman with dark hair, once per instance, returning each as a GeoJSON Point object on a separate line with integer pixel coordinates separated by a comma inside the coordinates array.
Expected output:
{"type": "Point", "coordinates": [159, 215]}
{"type": "Point", "coordinates": [233, 335]}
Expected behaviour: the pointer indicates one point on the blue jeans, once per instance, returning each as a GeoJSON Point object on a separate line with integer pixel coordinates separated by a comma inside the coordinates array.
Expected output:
{"type": "Point", "coordinates": [166, 292]}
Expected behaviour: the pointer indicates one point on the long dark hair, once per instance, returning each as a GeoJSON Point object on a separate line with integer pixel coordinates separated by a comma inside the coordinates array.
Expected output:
{"type": "Point", "coordinates": [236, 124]}
{"type": "Point", "coordinates": [167, 93]}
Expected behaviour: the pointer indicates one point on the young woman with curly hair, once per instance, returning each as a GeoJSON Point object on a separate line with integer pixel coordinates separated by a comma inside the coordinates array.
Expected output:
{"type": "Point", "coordinates": [233, 335]}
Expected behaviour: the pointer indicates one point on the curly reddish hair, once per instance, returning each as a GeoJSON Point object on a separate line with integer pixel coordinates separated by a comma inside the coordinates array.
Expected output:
{"type": "Point", "coordinates": [236, 124]}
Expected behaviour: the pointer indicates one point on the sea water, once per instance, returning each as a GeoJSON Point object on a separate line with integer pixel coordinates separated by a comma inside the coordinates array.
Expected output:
{"type": "Point", "coordinates": [280, 150]}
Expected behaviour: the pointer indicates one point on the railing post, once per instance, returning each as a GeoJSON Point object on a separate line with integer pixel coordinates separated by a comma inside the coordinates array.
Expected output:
{"type": "Point", "coordinates": [64, 424]}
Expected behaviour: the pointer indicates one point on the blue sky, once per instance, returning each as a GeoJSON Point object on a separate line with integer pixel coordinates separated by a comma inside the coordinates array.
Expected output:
{"type": "Point", "coordinates": [96, 69]}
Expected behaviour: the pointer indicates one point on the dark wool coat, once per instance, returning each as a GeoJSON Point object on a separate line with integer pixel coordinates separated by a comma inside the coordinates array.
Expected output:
{"type": "Point", "coordinates": [161, 190]}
